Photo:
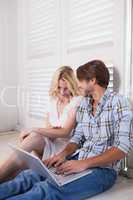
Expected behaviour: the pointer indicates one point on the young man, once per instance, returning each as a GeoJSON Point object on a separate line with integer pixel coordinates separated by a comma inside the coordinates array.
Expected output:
{"type": "Point", "coordinates": [103, 131]}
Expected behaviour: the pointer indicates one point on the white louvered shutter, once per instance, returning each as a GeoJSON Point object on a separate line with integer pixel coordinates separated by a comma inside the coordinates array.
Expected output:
{"type": "Point", "coordinates": [39, 84]}
{"type": "Point", "coordinates": [89, 23]}
{"type": "Point", "coordinates": [72, 32]}
{"type": "Point", "coordinates": [42, 54]}
{"type": "Point", "coordinates": [42, 34]}
{"type": "Point", "coordinates": [89, 32]}
{"type": "Point", "coordinates": [111, 83]}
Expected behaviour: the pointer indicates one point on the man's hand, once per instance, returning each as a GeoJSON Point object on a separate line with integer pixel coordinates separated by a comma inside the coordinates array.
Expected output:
{"type": "Point", "coordinates": [55, 160]}
{"type": "Point", "coordinates": [72, 166]}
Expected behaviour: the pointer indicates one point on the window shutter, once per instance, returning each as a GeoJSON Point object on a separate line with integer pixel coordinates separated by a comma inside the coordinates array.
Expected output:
{"type": "Point", "coordinates": [42, 53]}
{"type": "Point", "coordinates": [88, 33]}
{"type": "Point", "coordinates": [72, 32]}
{"type": "Point", "coordinates": [89, 23]}
{"type": "Point", "coordinates": [42, 34]}
{"type": "Point", "coordinates": [39, 84]}
{"type": "Point", "coordinates": [111, 82]}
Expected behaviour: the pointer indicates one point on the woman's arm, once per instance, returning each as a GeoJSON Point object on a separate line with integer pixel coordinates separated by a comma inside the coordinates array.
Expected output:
{"type": "Point", "coordinates": [60, 132]}
{"type": "Point", "coordinates": [47, 122]}
{"type": "Point", "coordinates": [26, 133]}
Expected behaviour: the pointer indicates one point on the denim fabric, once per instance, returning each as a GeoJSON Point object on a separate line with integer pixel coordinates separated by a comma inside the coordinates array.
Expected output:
{"type": "Point", "coordinates": [28, 186]}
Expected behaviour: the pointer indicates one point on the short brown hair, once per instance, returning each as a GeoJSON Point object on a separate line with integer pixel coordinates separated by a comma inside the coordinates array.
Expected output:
{"type": "Point", "coordinates": [94, 69]}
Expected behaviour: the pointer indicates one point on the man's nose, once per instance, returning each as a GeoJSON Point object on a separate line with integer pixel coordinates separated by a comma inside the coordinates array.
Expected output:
{"type": "Point", "coordinates": [80, 88]}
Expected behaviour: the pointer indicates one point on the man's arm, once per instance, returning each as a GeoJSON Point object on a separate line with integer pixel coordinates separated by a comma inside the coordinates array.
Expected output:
{"type": "Point", "coordinates": [58, 159]}
{"type": "Point", "coordinates": [123, 140]}
{"type": "Point", "coordinates": [75, 166]}
{"type": "Point", "coordinates": [70, 149]}
{"type": "Point", "coordinates": [111, 155]}
{"type": "Point", "coordinates": [123, 135]}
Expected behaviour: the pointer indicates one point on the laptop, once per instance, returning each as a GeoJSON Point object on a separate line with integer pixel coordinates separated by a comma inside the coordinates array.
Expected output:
{"type": "Point", "coordinates": [34, 163]}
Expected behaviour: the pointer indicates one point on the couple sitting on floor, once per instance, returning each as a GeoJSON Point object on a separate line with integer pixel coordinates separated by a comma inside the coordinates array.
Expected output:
{"type": "Point", "coordinates": [82, 116]}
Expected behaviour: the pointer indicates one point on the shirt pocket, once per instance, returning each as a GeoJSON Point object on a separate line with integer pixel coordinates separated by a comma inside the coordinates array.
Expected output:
{"type": "Point", "coordinates": [105, 126]}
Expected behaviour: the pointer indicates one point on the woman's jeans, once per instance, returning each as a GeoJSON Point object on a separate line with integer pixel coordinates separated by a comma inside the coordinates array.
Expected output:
{"type": "Point", "coordinates": [28, 185]}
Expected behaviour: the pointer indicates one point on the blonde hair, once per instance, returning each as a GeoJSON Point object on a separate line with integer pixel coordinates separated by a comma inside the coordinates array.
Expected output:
{"type": "Point", "coordinates": [66, 73]}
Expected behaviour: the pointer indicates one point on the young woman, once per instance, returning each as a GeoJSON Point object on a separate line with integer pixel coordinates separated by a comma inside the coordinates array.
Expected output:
{"type": "Point", "coordinates": [59, 123]}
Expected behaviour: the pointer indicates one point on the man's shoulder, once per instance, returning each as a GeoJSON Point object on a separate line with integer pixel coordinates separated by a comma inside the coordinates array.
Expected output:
{"type": "Point", "coordinates": [117, 99]}
{"type": "Point", "coordinates": [84, 102]}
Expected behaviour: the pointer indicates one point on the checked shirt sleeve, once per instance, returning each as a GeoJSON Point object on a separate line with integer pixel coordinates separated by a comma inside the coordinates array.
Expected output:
{"type": "Point", "coordinates": [77, 134]}
{"type": "Point", "coordinates": [123, 125]}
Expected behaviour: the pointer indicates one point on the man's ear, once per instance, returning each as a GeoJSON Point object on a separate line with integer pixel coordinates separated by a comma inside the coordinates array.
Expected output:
{"type": "Point", "coordinates": [94, 81]}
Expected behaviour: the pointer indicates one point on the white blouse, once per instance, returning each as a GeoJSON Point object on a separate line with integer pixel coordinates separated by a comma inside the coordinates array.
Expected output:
{"type": "Point", "coordinates": [51, 109]}
{"type": "Point", "coordinates": [54, 146]}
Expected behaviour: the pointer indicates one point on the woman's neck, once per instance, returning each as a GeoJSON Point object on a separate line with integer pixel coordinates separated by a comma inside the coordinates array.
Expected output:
{"type": "Point", "coordinates": [62, 102]}
{"type": "Point", "coordinates": [65, 100]}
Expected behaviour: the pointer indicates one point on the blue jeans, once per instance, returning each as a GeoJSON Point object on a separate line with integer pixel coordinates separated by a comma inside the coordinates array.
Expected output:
{"type": "Point", "coordinates": [28, 185]}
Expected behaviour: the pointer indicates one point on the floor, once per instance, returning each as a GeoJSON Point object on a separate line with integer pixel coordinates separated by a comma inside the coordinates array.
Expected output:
{"type": "Point", "coordinates": [5, 138]}
{"type": "Point", "coordinates": [123, 189]}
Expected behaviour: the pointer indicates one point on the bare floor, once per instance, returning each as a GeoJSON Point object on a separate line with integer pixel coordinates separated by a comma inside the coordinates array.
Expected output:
{"type": "Point", "coordinates": [123, 189]}
{"type": "Point", "coordinates": [5, 138]}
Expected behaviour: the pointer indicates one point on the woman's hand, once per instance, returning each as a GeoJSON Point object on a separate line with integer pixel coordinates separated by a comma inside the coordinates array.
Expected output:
{"type": "Point", "coordinates": [24, 134]}
{"type": "Point", "coordinates": [55, 160]}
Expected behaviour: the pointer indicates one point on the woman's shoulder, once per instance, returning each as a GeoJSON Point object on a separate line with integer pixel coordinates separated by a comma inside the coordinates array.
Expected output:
{"type": "Point", "coordinates": [76, 100]}
{"type": "Point", "coordinates": [52, 100]}
{"type": "Point", "coordinates": [50, 103]}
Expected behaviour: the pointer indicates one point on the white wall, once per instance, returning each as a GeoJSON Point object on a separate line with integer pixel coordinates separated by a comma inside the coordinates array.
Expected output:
{"type": "Point", "coordinates": [131, 72]}
{"type": "Point", "coordinates": [36, 56]}
{"type": "Point", "coordinates": [8, 64]}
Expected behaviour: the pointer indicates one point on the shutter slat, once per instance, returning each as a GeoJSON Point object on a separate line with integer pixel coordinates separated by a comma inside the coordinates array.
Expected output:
{"type": "Point", "coordinates": [89, 22]}
{"type": "Point", "coordinates": [42, 30]}
{"type": "Point", "coordinates": [39, 81]}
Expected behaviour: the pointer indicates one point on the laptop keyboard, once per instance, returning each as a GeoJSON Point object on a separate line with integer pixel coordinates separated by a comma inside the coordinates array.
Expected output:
{"type": "Point", "coordinates": [53, 170]}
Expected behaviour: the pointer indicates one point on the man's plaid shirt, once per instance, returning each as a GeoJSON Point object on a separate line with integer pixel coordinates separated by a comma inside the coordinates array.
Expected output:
{"type": "Point", "coordinates": [110, 127]}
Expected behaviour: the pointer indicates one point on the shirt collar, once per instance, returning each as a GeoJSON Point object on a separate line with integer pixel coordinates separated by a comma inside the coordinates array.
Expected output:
{"type": "Point", "coordinates": [101, 103]}
{"type": "Point", "coordinates": [104, 98]}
